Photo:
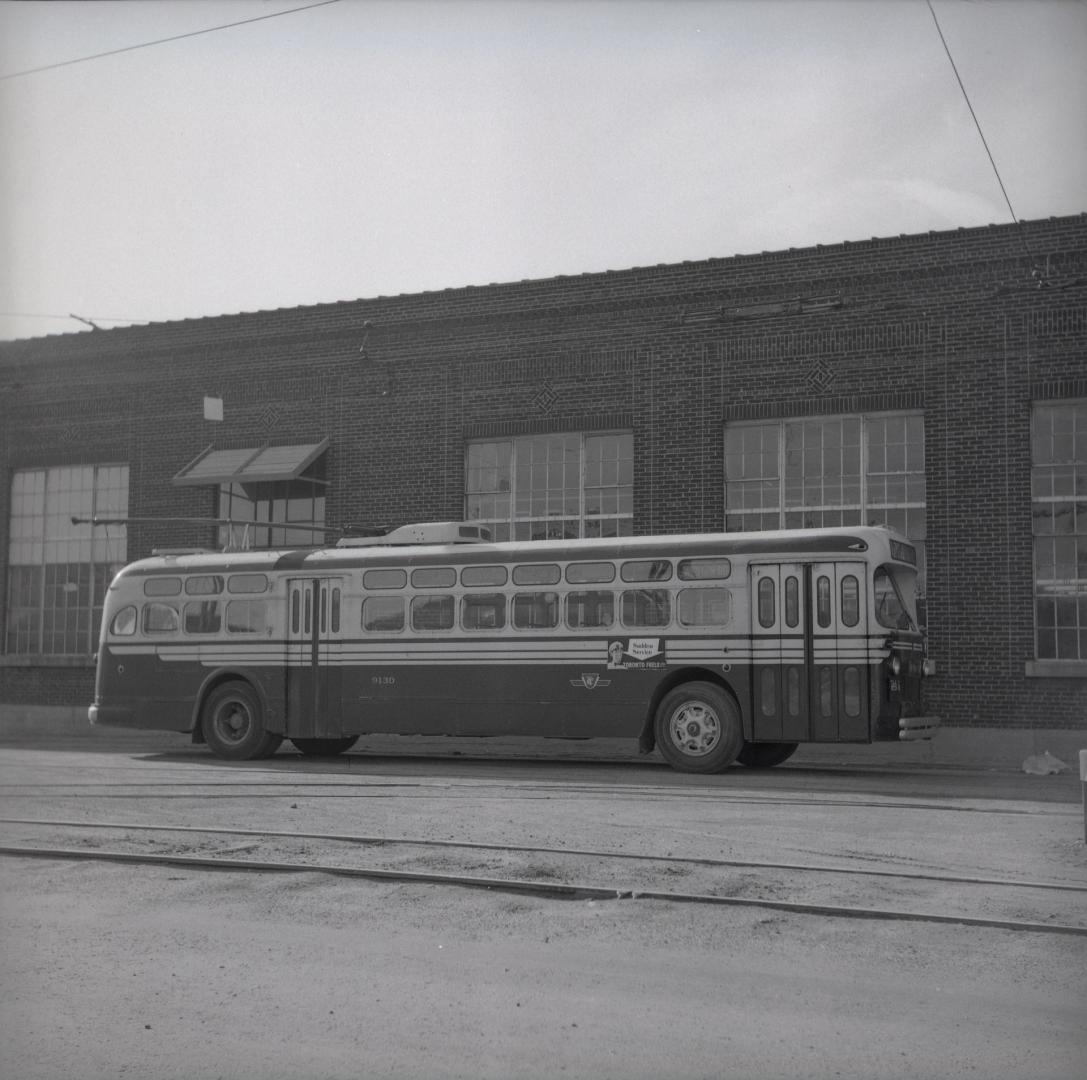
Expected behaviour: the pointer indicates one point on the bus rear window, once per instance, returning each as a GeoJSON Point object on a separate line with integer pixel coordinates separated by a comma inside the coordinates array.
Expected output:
{"type": "Point", "coordinates": [124, 622]}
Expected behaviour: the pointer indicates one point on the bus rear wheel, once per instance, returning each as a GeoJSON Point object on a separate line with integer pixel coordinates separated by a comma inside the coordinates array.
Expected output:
{"type": "Point", "coordinates": [324, 747]}
{"type": "Point", "coordinates": [698, 728]}
{"type": "Point", "coordinates": [765, 755]}
{"type": "Point", "coordinates": [233, 723]}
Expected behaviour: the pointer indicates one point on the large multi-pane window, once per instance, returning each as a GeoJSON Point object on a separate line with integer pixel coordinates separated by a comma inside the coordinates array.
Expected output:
{"type": "Point", "coordinates": [58, 571]}
{"type": "Point", "coordinates": [542, 487]}
{"type": "Point", "coordinates": [1059, 509]}
{"type": "Point", "coordinates": [811, 473]}
{"type": "Point", "coordinates": [825, 471]}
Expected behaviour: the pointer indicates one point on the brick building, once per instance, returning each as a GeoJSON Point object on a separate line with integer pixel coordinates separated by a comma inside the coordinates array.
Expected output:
{"type": "Point", "coordinates": [936, 382]}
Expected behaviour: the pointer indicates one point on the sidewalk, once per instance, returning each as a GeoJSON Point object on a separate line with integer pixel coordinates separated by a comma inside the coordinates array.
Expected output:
{"type": "Point", "coordinates": [975, 749]}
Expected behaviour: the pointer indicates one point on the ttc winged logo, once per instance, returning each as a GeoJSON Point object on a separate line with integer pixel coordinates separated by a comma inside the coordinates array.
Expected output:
{"type": "Point", "coordinates": [590, 680]}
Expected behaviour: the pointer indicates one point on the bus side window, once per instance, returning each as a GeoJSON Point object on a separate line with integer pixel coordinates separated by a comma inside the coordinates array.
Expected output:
{"type": "Point", "coordinates": [432, 612]}
{"type": "Point", "coordinates": [536, 611]}
{"type": "Point", "coordinates": [704, 569]}
{"type": "Point", "coordinates": [202, 617]}
{"type": "Point", "coordinates": [537, 574]}
{"type": "Point", "coordinates": [705, 607]}
{"type": "Point", "coordinates": [383, 614]}
{"type": "Point", "coordinates": [585, 572]}
{"type": "Point", "coordinates": [483, 611]}
{"type": "Point", "coordinates": [246, 617]}
{"type": "Point", "coordinates": [204, 585]}
{"type": "Point", "coordinates": [589, 610]}
{"type": "Point", "coordinates": [483, 575]}
{"type": "Point", "coordinates": [163, 586]}
{"type": "Point", "coordinates": [646, 570]}
{"type": "Point", "coordinates": [160, 619]}
{"type": "Point", "coordinates": [247, 583]}
{"type": "Point", "coordinates": [646, 607]}
{"type": "Point", "coordinates": [433, 577]}
{"type": "Point", "coordinates": [384, 579]}
{"type": "Point", "coordinates": [124, 622]}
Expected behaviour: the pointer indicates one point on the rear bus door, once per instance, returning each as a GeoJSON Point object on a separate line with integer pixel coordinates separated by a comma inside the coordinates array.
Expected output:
{"type": "Point", "coordinates": [314, 657]}
{"type": "Point", "coordinates": [779, 653]}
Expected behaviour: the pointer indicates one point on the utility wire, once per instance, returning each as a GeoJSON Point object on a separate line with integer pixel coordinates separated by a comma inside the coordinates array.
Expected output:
{"type": "Point", "coordinates": [39, 315]}
{"type": "Point", "coordinates": [163, 41]}
{"type": "Point", "coordinates": [977, 123]}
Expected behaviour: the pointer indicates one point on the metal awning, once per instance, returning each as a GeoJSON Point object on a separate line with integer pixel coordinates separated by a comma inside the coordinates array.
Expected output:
{"type": "Point", "coordinates": [252, 464]}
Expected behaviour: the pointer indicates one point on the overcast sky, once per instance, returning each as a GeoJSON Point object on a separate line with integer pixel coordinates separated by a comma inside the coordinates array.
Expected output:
{"type": "Point", "coordinates": [365, 148]}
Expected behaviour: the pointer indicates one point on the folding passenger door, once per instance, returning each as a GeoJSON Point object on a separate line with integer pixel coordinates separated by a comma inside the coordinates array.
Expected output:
{"type": "Point", "coordinates": [779, 672]}
{"type": "Point", "coordinates": [840, 694]}
{"type": "Point", "coordinates": [314, 657]}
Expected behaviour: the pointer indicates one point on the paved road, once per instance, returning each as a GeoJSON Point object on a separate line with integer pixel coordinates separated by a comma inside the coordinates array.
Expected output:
{"type": "Point", "coordinates": [164, 972]}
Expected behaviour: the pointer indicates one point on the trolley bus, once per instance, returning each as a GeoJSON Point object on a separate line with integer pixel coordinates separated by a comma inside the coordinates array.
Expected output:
{"type": "Point", "coordinates": [710, 648]}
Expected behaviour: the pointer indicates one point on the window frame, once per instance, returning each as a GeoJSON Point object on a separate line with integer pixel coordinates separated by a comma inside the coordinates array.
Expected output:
{"type": "Point", "coordinates": [58, 572]}
{"type": "Point", "coordinates": [501, 490]}
{"type": "Point", "coordinates": [1065, 595]}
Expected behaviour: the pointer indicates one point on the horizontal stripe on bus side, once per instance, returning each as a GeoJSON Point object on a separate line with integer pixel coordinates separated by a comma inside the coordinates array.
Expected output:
{"type": "Point", "coordinates": [433, 652]}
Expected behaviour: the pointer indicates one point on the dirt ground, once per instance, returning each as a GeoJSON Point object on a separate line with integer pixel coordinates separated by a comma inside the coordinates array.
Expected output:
{"type": "Point", "coordinates": [172, 972]}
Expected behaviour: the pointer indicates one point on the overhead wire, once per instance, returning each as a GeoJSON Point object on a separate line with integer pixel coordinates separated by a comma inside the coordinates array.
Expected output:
{"type": "Point", "coordinates": [977, 123]}
{"type": "Point", "coordinates": [163, 41]}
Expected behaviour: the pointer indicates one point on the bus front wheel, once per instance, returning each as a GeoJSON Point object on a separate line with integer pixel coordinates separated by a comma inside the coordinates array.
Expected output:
{"type": "Point", "coordinates": [324, 747]}
{"type": "Point", "coordinates": [233, 723]}
{"type": "Point", "coordinates": [698, 728]}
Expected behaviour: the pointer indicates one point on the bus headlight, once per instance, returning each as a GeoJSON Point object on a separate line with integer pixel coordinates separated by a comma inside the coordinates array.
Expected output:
{"type": "Point", "coordinates": [896, 665]}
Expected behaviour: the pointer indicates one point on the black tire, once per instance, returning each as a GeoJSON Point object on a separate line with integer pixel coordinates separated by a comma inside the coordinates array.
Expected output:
{"type": "Point", "coordinates": [324, 747]}
{"type": "Point", "coordinates": [765, 755]}
{"type": "Point", "coordinates": [233, 724]}
{"type": "Point", "coordinates": [698, 728]}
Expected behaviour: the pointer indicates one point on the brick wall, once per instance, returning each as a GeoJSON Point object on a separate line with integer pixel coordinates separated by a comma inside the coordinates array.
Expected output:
{"type": "Point", "coordinates": [952, 323]}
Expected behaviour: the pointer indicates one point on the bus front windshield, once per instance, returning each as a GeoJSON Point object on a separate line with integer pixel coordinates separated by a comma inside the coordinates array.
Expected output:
{"type": "Point", "coordinates": [894, 593]}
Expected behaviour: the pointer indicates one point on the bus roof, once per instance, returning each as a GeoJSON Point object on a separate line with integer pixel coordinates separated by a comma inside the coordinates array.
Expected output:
{"type": "Point", "coordinates": [796, 543]}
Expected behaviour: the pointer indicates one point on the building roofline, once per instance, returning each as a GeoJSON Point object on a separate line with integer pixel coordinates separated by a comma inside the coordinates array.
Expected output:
{"type": "Point", "coordinates": [356, 311]}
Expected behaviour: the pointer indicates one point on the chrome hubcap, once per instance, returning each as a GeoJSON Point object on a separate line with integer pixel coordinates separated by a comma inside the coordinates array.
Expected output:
{"type": "Point", "coordinates": [695, 728]}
